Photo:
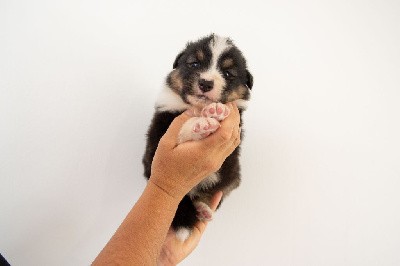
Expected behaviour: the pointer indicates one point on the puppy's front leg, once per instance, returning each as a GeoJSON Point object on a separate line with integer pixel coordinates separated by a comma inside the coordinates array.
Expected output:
{"type": "Point", "coordinates": [218, 111]}
{"type": "Point", "coordinates": [198, 128]}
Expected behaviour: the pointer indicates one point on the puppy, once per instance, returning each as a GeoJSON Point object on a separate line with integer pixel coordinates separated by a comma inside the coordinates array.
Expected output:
{"type": "Point", "coordinates": [207, 74]}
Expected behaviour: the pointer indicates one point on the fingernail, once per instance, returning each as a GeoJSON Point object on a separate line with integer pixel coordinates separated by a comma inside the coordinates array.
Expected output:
{"type": "Point", "coordinates": [189, 112]}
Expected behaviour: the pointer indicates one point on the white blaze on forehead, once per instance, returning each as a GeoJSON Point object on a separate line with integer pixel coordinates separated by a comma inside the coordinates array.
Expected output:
{"type": "Point", "coordinates": [218, 45]}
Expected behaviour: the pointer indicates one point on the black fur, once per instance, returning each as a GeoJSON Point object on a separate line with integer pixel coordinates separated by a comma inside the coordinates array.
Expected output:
{"type": "Point", "coordinates": [195, 59]}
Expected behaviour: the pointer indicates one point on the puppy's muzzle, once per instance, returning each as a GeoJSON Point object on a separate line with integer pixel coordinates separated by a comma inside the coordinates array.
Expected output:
{"type": "Point", "coordinates": [206, 85]}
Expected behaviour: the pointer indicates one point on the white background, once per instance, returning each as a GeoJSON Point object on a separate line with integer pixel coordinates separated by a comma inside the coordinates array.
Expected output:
{"type": "Point", "coordinates": [321, 174]}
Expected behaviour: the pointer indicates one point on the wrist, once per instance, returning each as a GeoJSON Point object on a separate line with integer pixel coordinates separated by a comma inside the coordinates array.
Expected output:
{"type": "Point", "coordinates": [174, 191]}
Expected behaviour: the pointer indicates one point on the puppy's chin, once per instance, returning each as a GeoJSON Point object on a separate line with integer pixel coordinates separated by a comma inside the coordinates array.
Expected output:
{"type": "Point", "coordinates": [198, 101]}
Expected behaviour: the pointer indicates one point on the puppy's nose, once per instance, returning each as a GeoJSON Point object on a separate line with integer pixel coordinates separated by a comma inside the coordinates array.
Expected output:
{"type": "Point", "coordinates": [206, 85]}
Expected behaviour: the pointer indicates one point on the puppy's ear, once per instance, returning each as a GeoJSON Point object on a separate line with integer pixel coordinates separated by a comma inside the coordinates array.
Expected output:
{"type": "Point", "coordinates": [177, 60]}
{"type": "Point", "coordinates": [249, 81]}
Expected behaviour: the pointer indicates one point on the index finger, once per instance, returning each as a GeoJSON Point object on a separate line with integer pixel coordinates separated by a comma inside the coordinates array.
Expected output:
{"type": "Point", "coordinates": [170, 137]}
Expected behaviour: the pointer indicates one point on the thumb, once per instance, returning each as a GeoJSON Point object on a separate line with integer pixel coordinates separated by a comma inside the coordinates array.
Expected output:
{"type": "Point", "coordinates": [170, 137]}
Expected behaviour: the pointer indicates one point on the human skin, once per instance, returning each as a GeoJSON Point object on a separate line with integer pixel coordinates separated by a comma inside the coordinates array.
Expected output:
{"type": "Point", "coordinates": [176, 169]}
{"type": "Point", "coordinates": [174, 251]}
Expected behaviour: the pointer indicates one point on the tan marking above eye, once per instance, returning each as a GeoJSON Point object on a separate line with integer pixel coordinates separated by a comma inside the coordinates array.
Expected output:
{"type": "Point", "coordinates": [232, 72]}
{"type": "Point", "coordinates": [227, 63]}
{"type": "Point", "coordinates": [236, 94]}
{"type": "Point", "coordinates": [200, 55]}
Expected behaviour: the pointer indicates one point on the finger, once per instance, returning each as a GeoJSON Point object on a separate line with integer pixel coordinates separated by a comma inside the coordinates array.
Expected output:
{"type": "Point", "coordinates": [192, 112]}
{"type": "Point", "coordinates": [233, 120]}
{"type": "Point", "coordinates": [170, 137]}
{"type": "Point", "coordinates": [216, 200]}
{"type": "Point", "coordinates": [228, 146]}
{"type": "Point", "coordinates": [230, 149]}
{"type": "Point", "coordinates": [224, 134]}
{"type": "Point", "coordinates": [200, 226]}
{"type": "Point", "coordinates": [235, 141]}
{"type": "Point", "coordinates": [233, 108]}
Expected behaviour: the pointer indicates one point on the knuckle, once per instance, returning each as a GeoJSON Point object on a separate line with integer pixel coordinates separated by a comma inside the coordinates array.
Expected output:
{"type": "Point", "coordinates": [237, 141]}
{"type": "Point", "coordinates": [216, 167]}
{"type": "Point", "coordinates": [225, 135]}
{"type": "Point", "coordinates": [212, 165]}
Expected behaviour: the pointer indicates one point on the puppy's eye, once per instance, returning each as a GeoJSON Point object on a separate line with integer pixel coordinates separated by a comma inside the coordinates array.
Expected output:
{"type": "Point", "coordinates": [194, 64]}
{"type": "Point", "coordinates": [228, 74]}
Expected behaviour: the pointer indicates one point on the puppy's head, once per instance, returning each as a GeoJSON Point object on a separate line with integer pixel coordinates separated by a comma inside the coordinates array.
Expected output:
{"type": "Point", "coordinates": [210, 70]}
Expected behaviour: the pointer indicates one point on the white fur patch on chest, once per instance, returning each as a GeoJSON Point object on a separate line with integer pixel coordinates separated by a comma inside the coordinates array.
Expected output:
{"type": "Point", "coordinates": [170, 101]}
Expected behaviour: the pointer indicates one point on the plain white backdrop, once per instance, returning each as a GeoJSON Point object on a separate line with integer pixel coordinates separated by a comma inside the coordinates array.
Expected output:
{"type": "Point", "coordinates": [321, 174]}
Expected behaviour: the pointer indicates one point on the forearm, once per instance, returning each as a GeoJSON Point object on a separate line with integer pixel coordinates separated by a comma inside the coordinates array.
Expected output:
{"type": "Point", "coordinates": [139, 238]}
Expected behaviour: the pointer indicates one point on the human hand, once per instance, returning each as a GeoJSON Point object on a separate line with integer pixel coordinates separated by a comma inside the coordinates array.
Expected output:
{"type": "Point", "coordinates": [174, 250]}
{"type": "Point", "coordinates": [177, 168]}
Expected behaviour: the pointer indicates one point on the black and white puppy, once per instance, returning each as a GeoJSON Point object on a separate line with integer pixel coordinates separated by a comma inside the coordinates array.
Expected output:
{"type": "Point", "coordinates": [207, 74]}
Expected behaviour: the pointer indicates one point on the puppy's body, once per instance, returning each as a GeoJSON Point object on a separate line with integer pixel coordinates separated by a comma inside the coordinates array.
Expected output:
{"type": "Point", "coordinates": [211, 70]}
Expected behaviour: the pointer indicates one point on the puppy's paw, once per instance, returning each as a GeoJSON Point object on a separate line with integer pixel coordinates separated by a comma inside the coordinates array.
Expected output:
{"type": "Point", "coordinates": [218, 111]}
{"type": "Point", "coordinates": [198, 128]}
{"type": "Point", "coordinates": [183, 233]}
{"type": "Point", "coordinates": [204, 212]}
